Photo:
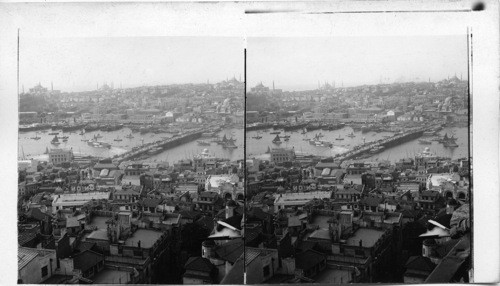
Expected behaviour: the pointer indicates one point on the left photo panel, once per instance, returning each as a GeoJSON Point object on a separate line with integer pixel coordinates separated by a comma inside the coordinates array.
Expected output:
{"type": "Point", "coordinates": [130, 159]}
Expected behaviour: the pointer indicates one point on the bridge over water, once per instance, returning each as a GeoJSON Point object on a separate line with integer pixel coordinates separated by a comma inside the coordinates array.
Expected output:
{"type": "Point", "coordinates": [386, 143]}
{"type": "Point", "coordinates": [164, 144]}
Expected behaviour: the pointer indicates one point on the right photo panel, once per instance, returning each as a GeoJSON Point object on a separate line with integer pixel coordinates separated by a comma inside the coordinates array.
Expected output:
{"type": "Point", "coordinates": [358, 159]}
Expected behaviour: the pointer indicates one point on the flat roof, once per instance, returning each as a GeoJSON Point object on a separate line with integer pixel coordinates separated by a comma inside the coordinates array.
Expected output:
{"type": "Point", "coordinates": [111, 276]}
{"type": "Point", "coordinates": [321, 221]}
{"type": "Point", "coordinates": [100, 222]}
{"type": "Point", "coordinates": [146, 236]}
{"type": "Point", "coordinates": [302, 196]}
{"type": "Point", "coordinates": [100, 234]}
{"type": "Point", "coordinates": [368, 236]}
{"type": "Point", "coordinates": [80, 197]}
{"type": "Point", "coordinates": [336, 276]}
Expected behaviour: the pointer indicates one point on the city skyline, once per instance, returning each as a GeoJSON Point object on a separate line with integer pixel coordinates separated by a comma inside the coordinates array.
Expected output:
{"type": "Point", "coordinates": [127, 61]}
{"type": "Point", "coordinates": [299, 63]}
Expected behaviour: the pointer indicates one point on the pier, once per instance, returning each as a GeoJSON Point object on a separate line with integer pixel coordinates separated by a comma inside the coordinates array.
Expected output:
{"type": "Point", "coordinates": [164, 144]}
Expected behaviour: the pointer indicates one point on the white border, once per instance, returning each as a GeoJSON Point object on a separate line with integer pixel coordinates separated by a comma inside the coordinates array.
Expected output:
{"type": "Point", "coordinates": [229, 19]}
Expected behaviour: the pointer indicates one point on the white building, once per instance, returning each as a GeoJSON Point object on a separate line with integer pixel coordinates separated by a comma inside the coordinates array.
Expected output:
{"type": "Point", "coordinates": [68, 201]}
{"type": "Point", "coordinates": [58, 156]}
{"type": "Point", "coordinates": [290, 200]}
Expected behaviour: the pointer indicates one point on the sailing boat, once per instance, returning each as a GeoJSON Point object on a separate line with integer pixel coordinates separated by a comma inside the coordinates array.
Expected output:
{"type": "Point", "coordinates": [230, 144]}
{"type": "Point", "coordinates": [277, 140]}
{"type": "Point", "coordinates": [351, 135]}
{"type": "Point", "coordinates": [339, 138]}
{"type": "Point", "coordinates": [257, 136]}
{"type": "Point", "coordinates": [286, 137]}
{"type": "Point", "coordinates": [444, 139]}
{"type": "Point", "coordinates": [450, 142]}
{"type": "Point", "coordinates": [55, 141]}
{"type": "Point", "coordinates": [130, 136]}
{"type": "Point", "coordinates": [117, 138]}
{"type": "Point", "coordinates": [36, 137]}
{"type": "Point", "coordinates": [82, 132]}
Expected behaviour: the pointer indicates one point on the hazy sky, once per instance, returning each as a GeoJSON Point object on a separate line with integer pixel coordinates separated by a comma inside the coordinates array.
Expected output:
{"type": "Point", "coordinates": [298, 63]}
{"type": "Point", "coordinates": [76, 64]}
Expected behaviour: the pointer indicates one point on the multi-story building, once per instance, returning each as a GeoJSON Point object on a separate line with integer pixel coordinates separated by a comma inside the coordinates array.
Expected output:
{"type": "Point", "coordinates": [58, 156]}
{"type": "Point", "coordinates": [35, 265]}
{"type": "Point", "coordinates": [281, 155]}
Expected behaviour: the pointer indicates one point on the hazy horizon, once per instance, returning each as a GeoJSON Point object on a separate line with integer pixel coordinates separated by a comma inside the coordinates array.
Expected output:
{"type": "Point", "coordinates": [293, 63]}
{"type": "Point", "coordinates": [79, 64]}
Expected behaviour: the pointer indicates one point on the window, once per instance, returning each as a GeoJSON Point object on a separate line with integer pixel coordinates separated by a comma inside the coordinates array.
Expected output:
{"type": "Point", "coordinates": [45, 271]}
{"type": "Point", "coordinates": [266, 271]}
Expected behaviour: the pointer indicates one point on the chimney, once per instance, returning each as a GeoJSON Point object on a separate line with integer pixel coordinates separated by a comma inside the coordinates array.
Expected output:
{"type": "Point", "coordinates": [229, 212]}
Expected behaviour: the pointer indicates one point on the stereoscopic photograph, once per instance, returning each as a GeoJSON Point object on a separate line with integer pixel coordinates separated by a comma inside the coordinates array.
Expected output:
{"type": "Point", "coordinates": [273, 143]}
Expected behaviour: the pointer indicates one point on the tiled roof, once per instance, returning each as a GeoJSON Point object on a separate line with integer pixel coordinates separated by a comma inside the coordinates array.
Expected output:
{"type": "Point", "coordinates": [235, 275]}
{"type": "Point", "coordinates": [308, 259]}
{"type": "Point", "coordinates": [86, 260]}
{"type": "Point", "coordinates": [24, 256]}
{"type": "Point", "coordinates": [199, 264]}
{"type": "Point", "coordinates": [37, 214]}
{"type": "Point", "coordinates": [25, 237]}
{"type": "Point", "coordinates": [151, 203]}
{"type": "Point", "coordinates": [206, 222]}
{"type": "Point", "coordinates": [231, 250]}
{"type": "Point", "coordinates": [371, 201]}
{"type": "Point", "coordinates": [72, 222]}
{"type": "Point", "coordinates": [420, 263]}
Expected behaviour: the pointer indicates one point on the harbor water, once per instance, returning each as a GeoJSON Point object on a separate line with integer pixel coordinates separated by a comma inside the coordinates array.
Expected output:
{"type": "Point", "coordinates": [31, 148]}
{"type": "Point", "coordinates": [342, 143]}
